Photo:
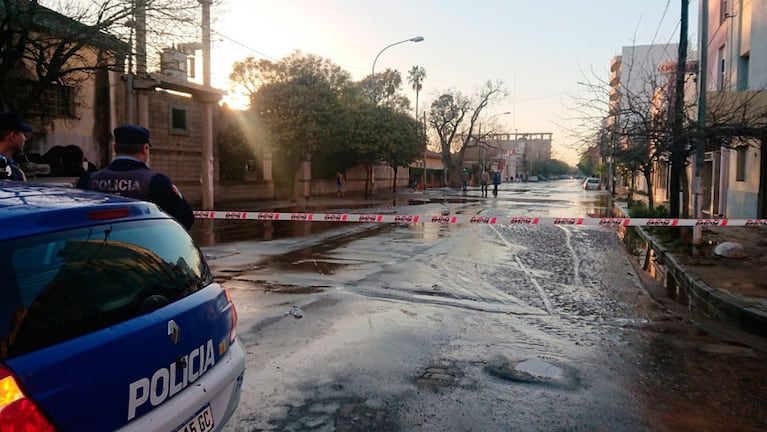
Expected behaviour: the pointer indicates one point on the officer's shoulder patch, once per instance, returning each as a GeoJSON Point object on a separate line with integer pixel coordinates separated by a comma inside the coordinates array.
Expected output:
{"type": "Point", "coordinates": [176, 191]}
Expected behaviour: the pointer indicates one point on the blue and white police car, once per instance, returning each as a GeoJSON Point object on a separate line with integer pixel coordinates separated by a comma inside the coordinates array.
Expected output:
{"type": "Point", "coordinates": [109, 318]}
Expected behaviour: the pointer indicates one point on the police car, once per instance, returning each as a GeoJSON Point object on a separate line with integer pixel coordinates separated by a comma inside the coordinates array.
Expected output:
{"type": "Point", "coordinates": [109, 318]}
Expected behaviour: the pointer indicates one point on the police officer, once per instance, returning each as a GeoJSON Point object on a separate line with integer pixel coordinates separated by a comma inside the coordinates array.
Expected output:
{"type": "Point", "coordinates": [12, 139]}
{"type": "Point", "coordinates": [129, 176]}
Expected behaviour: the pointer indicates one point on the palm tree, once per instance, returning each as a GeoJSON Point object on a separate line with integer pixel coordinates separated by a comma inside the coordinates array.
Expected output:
{"type": "Point", "coordinates": [415, 77]}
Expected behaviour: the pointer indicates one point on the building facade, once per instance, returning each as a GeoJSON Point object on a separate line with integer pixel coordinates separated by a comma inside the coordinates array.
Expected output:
{"type": "Point", "coordinates": [737, 81]}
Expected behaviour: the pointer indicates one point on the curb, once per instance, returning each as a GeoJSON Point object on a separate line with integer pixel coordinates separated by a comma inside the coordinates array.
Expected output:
{"type": "Point", "coordinates": [711, 302]}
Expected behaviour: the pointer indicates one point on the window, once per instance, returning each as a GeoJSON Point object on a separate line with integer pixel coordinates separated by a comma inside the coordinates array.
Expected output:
{"type": "Point", "coordinates": [63, 285]}
{"type": "Point", "coordinates": [57, 100]}
{"type": "Point", "coordinates": [722, 77]}
{"type": "Point", "coordinates": [740, 171]}
{"type": "Point", "coordinates": [743, 72]}
{"type": "Point", "coordinates": [178, 121]}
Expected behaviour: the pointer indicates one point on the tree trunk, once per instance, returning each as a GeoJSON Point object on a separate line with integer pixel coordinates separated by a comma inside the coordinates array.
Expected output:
{"type": "Point", "coordinates": [454, 169]}
{"type": "Point", "coordinates": [368, 172]}
{"type": "Point", "coordinates": [650, 195]}
{"type": "Point", "coordinates": [677, 170]}
{"type": "Point", "coordinates": [394, 182]}
{"type": "Point", "coordinates": [685, 211]}
{"type": "Point", "coordinates": [679, 143]}
{"type": "Point", "coordinates": [762, 206]}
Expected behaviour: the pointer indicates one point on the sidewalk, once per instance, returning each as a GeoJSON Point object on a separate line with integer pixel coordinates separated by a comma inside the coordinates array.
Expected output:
{"type": "Point", "coordinates": [729, 290]}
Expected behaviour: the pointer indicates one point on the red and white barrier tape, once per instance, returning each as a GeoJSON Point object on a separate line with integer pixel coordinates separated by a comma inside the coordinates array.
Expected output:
{"type": "Point", "coordinates": [475, 220]}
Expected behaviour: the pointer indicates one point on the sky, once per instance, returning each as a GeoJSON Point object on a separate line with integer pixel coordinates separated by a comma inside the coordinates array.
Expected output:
{"type": "Point", "coordinates": [540, 50]}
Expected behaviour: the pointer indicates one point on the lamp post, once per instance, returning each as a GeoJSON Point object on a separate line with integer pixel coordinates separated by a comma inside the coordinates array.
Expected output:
{"type": "Point", "coordinates": [373, 80]}
{"type": "Point", "coordinates": [373, 70]}
{"type": "Point", "coordinates": [479, 137]}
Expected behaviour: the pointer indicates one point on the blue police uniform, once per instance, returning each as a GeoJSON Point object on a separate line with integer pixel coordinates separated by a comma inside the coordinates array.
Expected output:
{"type": "Point", "coordinates": [132, 178]}
{"type": "Point", "coordinates": [12, 122]}
{"type": "Point", "coordinates": [9, 170]}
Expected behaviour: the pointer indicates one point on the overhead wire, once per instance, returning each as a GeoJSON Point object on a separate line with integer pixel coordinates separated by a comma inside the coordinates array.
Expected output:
{"type": "Point", "coordinates": [236, 42]}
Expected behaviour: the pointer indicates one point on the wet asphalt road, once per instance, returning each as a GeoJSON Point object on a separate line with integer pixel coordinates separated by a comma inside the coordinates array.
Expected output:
{"type": "Point", "coordinates": [474, 328]}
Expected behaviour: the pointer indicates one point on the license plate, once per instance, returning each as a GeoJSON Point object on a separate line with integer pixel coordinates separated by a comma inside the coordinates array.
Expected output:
{"type": "Point", "coordinates": [201, 422]}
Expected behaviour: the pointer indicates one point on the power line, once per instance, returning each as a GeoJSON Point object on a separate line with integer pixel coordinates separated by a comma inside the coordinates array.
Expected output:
{"type": "Point", "coordinates": [236, 42]}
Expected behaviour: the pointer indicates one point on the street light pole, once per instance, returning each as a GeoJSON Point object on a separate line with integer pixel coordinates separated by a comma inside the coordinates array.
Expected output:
{"type": "Point", "coordinates": [479, 137]}
{"type": "Point", "coordinates": [373, 70]}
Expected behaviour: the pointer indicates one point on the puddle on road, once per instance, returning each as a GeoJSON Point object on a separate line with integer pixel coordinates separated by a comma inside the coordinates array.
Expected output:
{"type": "Point", "coordinates": [534, 371]}
{"type": "Point", "coordinates": [539, 368]}
{"type": "Point", "coordinates": [209, 232]}
{"type": "Point", "coordinates": [315, 259]}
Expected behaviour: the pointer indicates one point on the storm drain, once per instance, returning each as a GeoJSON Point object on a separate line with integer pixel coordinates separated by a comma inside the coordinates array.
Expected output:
{"type": "Point", "coordinates": [342, 414]}
{"type": "Point", "coordinates": [439, 376]}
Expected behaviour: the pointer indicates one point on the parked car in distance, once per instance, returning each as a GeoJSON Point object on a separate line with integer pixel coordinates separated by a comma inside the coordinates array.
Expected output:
{"type": "Point", "coordinates": [591, 183]}
{"type": "Point", "coordinates": [533, 179]}
{"type": "Point", "coordinates": [109, 318]}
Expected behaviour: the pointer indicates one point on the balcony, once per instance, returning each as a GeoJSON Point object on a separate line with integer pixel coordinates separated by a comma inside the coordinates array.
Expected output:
{"type": "Point", "coordinates": [615, 94]}
{"type": "Point", "coordinates": [615, 78]}
{"type": "Point", "coordinates": [615, 64]}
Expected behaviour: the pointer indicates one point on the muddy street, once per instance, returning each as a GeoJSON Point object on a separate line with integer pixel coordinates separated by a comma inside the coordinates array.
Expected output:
{"type": "Point", "coordinates": [363, 327]}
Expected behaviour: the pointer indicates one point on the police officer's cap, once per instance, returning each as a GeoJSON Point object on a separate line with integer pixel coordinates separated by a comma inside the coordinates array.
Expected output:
{"type": "Point", "coordinates": [132, 134]}
{"type": "Point", "coordinates": [12, 122]}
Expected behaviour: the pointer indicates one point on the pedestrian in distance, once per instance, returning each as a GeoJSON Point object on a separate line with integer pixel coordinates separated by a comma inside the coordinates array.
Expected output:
{"type": "Point", "coordinates": [128, 175]}
{"type": "Point", "coordinates": [496, 182]}
{"type": "Point", "coordinates": [340, 184]}
{"type": "Point", "coordinates": [464, 180]}
{"type": "Point", "coordinates": [13, 132]}
{"type": "Point", "coordinates": [484, 181]}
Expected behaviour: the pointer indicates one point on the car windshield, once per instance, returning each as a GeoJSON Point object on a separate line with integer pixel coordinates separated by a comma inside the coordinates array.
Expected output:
{"type": "Point", "coordinates": [66, 284]}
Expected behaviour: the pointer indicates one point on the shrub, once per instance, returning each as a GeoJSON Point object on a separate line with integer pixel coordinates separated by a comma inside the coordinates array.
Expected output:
{"type": "Point", "coordinates": [639, 209]}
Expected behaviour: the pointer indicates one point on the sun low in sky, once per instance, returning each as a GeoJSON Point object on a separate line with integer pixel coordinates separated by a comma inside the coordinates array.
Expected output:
{"type": "Point", "coordinates": [540, 50]}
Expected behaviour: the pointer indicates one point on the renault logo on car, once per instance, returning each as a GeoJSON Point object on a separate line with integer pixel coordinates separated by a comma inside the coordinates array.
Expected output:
{"type": "Point", "coordinates": [174, 332]}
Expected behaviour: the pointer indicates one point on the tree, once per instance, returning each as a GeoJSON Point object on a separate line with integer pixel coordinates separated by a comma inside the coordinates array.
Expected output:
{"type": "Point", "coordinates": [588, 163]}
{"type": "Point", "coordinates": [403, 142]}
{"type": "Point", "coordinates": [62, 44]}
{"type": "Point", "coordinates": [299, 118]}
{"type": "Point", "coordinates": [415, 77]}
{"type": "Point", "coordinates": [385, 89]}
{"type": "Point", "coordinates": [300, 104]}
{"type": "Point", "coordinates": [233, 152]}
{"type": "Point", "coordinates": [306, 105]}
{"type": "Point", "coordinates": [643, 130]}
{"type": "Point", "coordinates": [454, 116]}
{"type": "Point", "coordinates": [251, 74]}
{"type": "Point", "coordinates": [550, 168]}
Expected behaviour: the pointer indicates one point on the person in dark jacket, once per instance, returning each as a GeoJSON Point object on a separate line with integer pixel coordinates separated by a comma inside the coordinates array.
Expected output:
{"type": "Point", "coordinates": [13, 132]}
{"type": "Point", "coordinates": [128, 175]}
{"type": "Point", "coordinates": [496, 182]}
{"type": "Point", "coordinates": [71, 163]}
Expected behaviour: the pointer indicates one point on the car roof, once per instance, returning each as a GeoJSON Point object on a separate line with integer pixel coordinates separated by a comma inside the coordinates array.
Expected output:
{"type": "Point", "coordinates": [27, 209]}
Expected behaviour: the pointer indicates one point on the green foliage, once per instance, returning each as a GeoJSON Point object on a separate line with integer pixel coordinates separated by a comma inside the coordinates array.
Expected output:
{"type": "Point", "coordinates": [639, 209]}
{"type": "Point", "coordinates": [385, 89]}
{"type": "Point", "coordinates": [589, 161]}
{"type": "Point", "coordinates": [305, 105]}
{"type": "Point", "coordinates": [549, 168]}
{"type": "Point", "coordinates": [233, 153]}
{"type": "Point", "coordinates": [251, 74]}
{"type": "Point", "coordinates": [415, 77]}
{"type": "Point", "coordinates": [301, 110]}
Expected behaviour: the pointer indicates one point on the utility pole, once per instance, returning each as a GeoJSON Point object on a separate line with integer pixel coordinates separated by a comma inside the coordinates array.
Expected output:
{"type": "Point", "coordinates": [207, 165]}
{"type": "Point", "coordinates": [697, 233]}
{"type": "Point", "coordinates": [678, 139]}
